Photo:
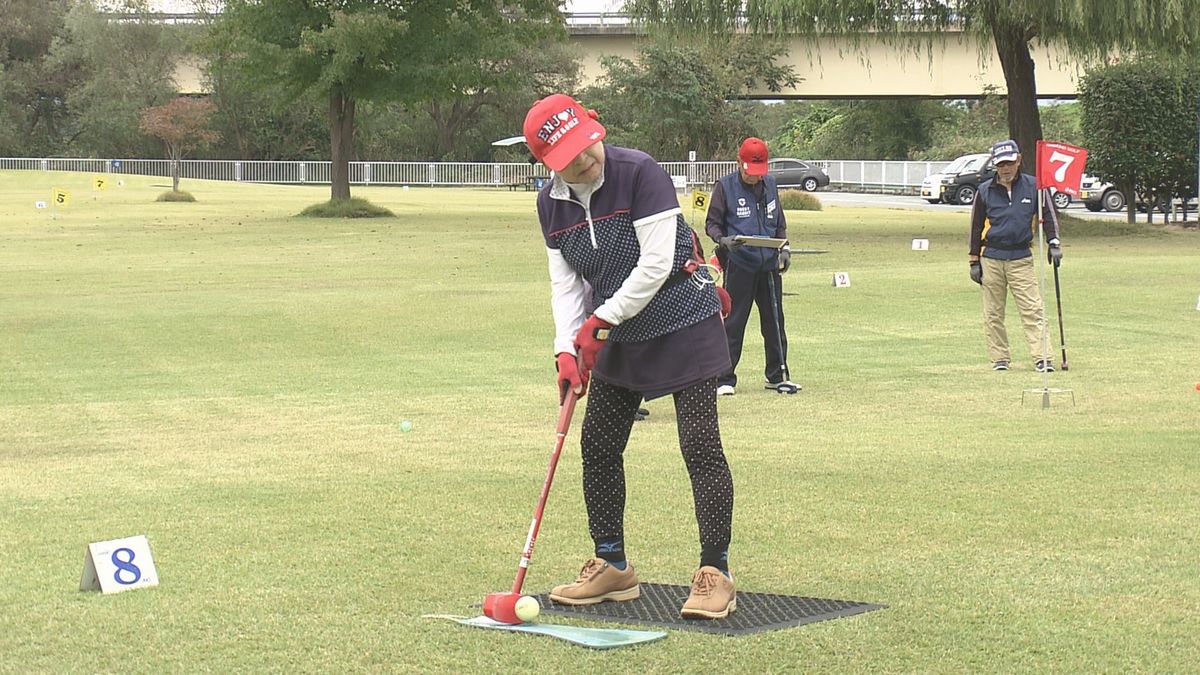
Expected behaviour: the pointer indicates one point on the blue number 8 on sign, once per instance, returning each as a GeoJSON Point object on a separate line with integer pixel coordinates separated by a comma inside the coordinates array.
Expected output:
{"type": "Point", "coordinates": [125, 566]}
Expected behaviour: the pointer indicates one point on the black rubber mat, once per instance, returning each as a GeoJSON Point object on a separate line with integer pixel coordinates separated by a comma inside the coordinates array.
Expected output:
{"type": "Point", "coordinates": [756, 612]}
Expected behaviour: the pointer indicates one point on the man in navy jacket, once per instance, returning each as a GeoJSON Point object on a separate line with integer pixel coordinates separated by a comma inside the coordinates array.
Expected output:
{"type": "Point", "coordinates": [1003, 223]}
{"type": "Point", "coordinates": [746, 202]}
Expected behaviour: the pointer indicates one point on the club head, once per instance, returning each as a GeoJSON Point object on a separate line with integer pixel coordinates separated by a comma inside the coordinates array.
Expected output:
{"type": "Point", "coordinates": [502, 607]}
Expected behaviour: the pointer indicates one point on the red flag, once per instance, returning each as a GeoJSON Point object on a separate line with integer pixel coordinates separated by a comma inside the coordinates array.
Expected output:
{"type": "Point", "coordinates": [1060, 166]}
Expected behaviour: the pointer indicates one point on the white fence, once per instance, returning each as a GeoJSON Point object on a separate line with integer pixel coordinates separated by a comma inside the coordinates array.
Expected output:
{"type": "Point", "coordinates": [882, 176]}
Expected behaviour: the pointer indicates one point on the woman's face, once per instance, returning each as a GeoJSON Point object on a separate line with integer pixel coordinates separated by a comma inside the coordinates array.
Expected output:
{"type": "Point", "coordinates": [587, 165]}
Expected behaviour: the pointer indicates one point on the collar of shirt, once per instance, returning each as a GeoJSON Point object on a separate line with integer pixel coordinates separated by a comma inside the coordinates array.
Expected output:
{"type": "Point", "coordinates": [561, 189]}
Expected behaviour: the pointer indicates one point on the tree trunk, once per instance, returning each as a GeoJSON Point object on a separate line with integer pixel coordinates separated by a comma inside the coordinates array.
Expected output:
{"type": "Point", "coordinates": [1024, 119]}
{"type": "Point", "coordinates": [175, 153]}
{"type": "Point", "coordinates": [449, 122]}
{"type": "Point", "coordinates": [341, 142]}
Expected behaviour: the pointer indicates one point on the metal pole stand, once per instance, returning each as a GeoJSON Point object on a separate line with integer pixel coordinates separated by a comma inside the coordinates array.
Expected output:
{"type": "Point", "coordinates": [1046, 392]}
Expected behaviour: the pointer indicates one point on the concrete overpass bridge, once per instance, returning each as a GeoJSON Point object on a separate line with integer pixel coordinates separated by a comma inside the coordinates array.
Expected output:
{"type": "Point", "coordinates": [951, 66]}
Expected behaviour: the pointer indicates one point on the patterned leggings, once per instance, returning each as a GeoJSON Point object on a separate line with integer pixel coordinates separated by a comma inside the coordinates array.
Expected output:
{"type": "Point", "coordinates": [606, 428]}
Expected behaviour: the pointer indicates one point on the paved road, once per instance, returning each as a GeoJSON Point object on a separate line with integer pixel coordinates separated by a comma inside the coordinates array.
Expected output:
{"type": "Point", "coordinates": [918, 204]}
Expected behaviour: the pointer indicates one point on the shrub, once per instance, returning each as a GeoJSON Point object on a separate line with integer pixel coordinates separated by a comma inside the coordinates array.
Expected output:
{"type": "Point", "coordinates": [1073, 227]}
{"type": "Point", "coordinates": [355, 207]}
{"type": "Point", "coordinates": [175, 196]}
{"type": "Point", "coordinates": [798, 200]}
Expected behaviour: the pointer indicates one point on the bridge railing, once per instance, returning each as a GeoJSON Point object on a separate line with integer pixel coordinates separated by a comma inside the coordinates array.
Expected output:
{"type": "Point", "coordinates": [862, 175]}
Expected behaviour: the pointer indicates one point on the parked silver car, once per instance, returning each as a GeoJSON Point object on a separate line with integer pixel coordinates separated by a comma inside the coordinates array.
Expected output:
{"type": "Point", "coordinates": [790, 173]}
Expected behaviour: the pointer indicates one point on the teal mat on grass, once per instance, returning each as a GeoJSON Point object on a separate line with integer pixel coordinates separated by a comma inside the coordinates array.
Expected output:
{"type": "Point", "coordinates": [594, 638]}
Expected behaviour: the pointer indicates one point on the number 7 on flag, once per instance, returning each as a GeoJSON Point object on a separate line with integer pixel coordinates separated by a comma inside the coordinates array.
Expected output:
{"type": "Point", "coordinates": [1060, 166]}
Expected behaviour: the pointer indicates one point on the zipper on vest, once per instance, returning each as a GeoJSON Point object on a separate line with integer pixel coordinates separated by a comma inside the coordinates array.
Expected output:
{"type": "Point", "coordinates": [587, 211]}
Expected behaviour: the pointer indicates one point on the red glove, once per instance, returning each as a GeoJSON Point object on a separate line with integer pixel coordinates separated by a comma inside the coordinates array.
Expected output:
{"type": "Point", "coordinates": [590, 339]}
{"type": "Point", "coordinates": [726, 302]}
{"type": "Point", "coordinates": [569, 376]}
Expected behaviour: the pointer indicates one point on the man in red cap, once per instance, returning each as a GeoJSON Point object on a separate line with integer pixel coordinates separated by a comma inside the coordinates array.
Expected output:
{"type": "Point", "coordinates": [612, 224]}
{"type": "Point", "coordinates": [746, 203]}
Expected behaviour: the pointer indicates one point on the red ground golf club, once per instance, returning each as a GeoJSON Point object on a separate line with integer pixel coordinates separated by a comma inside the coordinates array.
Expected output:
{"type": "Point", "coordinates": [502, 606]}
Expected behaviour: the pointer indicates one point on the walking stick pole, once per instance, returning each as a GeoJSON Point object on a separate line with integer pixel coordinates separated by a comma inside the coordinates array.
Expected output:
{"type": "Point", "coordinates": [1062, 339]}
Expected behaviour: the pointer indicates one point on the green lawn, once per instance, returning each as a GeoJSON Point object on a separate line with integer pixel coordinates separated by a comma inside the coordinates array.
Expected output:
{"type": "Point", "coordinates": [231, 380]}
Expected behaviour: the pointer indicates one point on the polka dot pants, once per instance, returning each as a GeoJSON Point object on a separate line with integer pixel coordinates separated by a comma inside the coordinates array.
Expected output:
{"type": "Point", "coordinates": [606, 427]}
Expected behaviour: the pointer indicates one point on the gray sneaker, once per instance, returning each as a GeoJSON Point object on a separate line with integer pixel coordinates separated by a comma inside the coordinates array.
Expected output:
{"type": "Point", "coordinates": [1000, 365]}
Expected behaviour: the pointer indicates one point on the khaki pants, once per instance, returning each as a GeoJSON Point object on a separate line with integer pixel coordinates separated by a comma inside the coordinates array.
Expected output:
{"type": "Point", "coordinates": [1019, 276]}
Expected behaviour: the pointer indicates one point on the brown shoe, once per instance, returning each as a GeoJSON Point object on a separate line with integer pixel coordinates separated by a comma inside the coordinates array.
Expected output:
{"type": "Point", "coordinates": [598, 581]}
{"type": "Point", "coordinates": [713, 595]}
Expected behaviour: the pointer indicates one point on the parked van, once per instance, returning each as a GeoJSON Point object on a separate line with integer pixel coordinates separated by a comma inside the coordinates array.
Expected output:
{"type": "Point", "coordinates": [958, 182]}
{"type": "Point", "coordinates": [1097, 194]}
{"type": "Point", "coordinates": [943, 186]}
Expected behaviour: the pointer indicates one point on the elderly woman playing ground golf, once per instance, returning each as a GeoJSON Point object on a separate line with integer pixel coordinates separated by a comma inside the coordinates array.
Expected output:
{"type": "Point", "coordinates": [610, 218]}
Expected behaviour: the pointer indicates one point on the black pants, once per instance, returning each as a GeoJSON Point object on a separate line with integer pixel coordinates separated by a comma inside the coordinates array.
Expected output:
{"type": "Point", "coordinates": [606, 427]}
{"type": "Point", "coordinates": [764, 289]}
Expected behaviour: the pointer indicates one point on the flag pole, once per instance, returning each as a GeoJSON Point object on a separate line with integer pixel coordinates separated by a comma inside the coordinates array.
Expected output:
{"type": "Point", "coordinates": [1042, 292]}
{"type": "Point", "coordinates": [1042, 148]}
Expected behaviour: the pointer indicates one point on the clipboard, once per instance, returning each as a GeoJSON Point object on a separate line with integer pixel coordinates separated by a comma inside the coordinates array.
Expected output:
{"type": "Point", "coordinates": [764, 242]}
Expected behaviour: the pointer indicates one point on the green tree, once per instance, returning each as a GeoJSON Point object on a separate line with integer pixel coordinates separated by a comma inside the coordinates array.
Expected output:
{"type": "Point", "coordinates": [505, 58]}
{"type": "Point", "coordinates": [970, 126]}
{"type": "Point", "coordinates": [257, 118]}
{"type": "Point", "coordinates": [368, 50]}
{"type": "Point", "coordinates": [33, 110]}
{"type": "Point", "coordinates": [125, 66]}
{"type": "Point", "coordinates": [1140, 123]}
{"type": "Point", "coordinates": [672, 99]}
{"type": "Point", "coordinates": [1084, 29]}
{"type": "Point", "coordinates": [869, 129]}
{"type": "Point", "coordinates": [549, 68]}
{"type": "Point", "coordinates": [768, 119]}
{"type": "Point", "coordinates": [1063, 122]}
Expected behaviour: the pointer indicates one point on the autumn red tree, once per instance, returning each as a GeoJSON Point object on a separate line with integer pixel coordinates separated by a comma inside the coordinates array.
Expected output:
{"type": "Point", "coordinates": [182, 125]}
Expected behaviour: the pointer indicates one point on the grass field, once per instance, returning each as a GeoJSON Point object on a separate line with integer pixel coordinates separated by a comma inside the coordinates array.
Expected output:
{"type": "Point", "coordinates": [230, 381]}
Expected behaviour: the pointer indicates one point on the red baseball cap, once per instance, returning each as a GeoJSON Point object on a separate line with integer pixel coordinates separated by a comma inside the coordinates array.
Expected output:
{"type": "Point", "coordinates": [753, 156]}
{"type": "Point", "coordinates": [558, 128]}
